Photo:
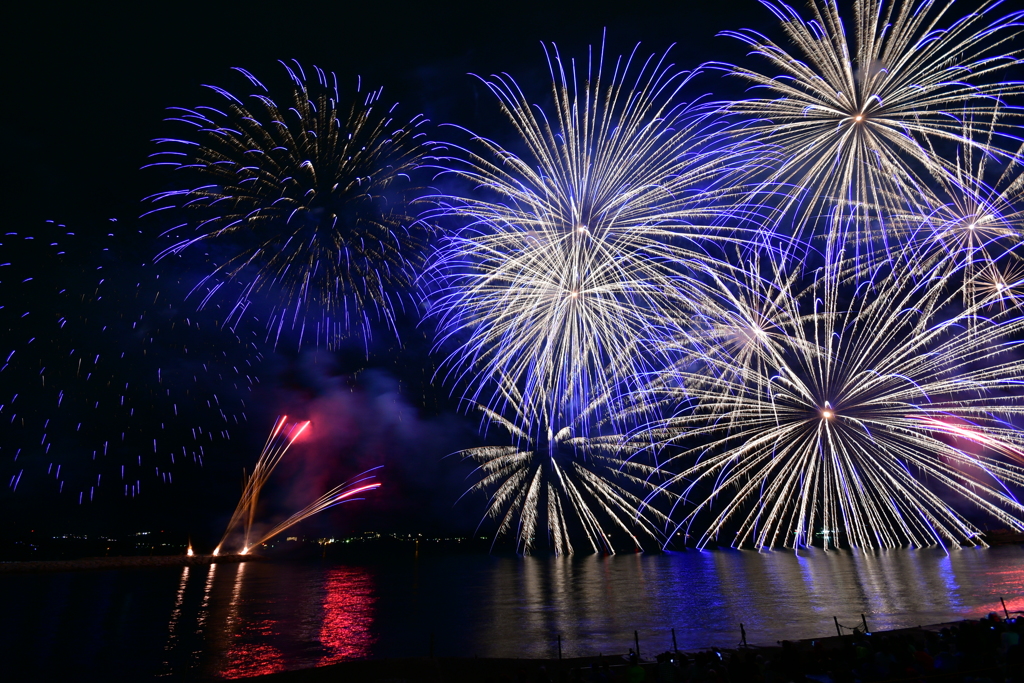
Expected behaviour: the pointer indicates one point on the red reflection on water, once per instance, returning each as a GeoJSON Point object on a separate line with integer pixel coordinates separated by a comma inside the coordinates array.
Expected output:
{"type": "Point", "coordinates": [1007, 583]}
{"type": "Point", "coordinates": [348, 615]}
{"type": "Point", "coordinates": [253, 659]}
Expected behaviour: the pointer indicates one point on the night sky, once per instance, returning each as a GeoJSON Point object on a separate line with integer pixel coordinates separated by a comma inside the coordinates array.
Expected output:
{"type": "Point", "coordinates": [86, 90]}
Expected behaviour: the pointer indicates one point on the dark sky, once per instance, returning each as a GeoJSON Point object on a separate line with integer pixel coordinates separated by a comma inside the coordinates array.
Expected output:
{"type": "Point", "coordinates": [85, 90]}
{"type": "Point", "coordinates": [87, 87]}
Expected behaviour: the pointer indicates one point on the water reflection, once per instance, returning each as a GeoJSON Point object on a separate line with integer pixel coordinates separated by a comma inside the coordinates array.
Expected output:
{"type": "Point", "coordinates": [253, 618]}
{"type": "Point", "coordinates": [596, 604]}
{"type": "Point", "coordinates": [235, 620]}
{"type": "Point", "coordinates": [347, 628]}
{"type": "Point", "coordinates": [1008, 583]}
{"type": "Point", "coordinates": [250, 648]}
{"type": "Point", "coordinates": [173, 637]}
{"type": "Point", "coordinates": [204, 610]}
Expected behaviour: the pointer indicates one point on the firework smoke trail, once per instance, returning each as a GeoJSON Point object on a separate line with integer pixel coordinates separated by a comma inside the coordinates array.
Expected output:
{"type": "Point", "coordinates": [854, 125]}
{"type": "Point", "coordinates": [102, 390]}
{"type": "Point", "coordinates": [336, 496]}
{"type": "Point", "coordinates": [573, 256]}
{"type": "Point", "coordinates": [281, 438]}
{"type": "Point", "coordinates": [308, 195]}
{"type": "Point", "coordinates": [842, 406]}
{"type": "Point", "coordinates": [575, 485]}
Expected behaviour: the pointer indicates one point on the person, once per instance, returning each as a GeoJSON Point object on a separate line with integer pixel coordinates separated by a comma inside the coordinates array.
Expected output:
{"type": "Point", "coordinates": [635, 673]}
{"type": "Point", "coordinates": [666, 669]}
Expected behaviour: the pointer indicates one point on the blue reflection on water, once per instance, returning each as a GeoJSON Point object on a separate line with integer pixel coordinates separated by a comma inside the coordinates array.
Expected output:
{"type": "Point", "coordinates": [240, 620]}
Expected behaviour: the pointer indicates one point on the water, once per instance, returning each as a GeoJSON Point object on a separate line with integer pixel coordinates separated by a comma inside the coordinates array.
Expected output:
{"type": "Point", "coordinates": [235, 620]}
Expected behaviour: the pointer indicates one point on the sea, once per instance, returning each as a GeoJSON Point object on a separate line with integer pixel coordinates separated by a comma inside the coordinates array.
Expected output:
{"type": "Point", "coordinates": [238, 620]}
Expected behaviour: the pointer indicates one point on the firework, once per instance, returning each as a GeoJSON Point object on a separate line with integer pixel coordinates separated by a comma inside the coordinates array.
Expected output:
{"type": "Point", "coordinates": [752, 306]}
{"type": "Point", "coordinates": [852, 120]}
{"type": "Point", "coordinates": [841, 422]}
{"type": "Point", "coordinates": [281, 438]}
{"type": "Point", "coordinates": [977, 218]}
{"type": "Point", "coordinates": [573, 256]}
{"type": "Point", "coordinates": [308, 198]}
{"type": "Point", "coordinates": [104, 389]}
{"type": "Point", "coordinates": [1000, 286]}
{"type": "Point", "coordinates": [339, 494]}
{"type": "Point", "coordinates": [583, 486]}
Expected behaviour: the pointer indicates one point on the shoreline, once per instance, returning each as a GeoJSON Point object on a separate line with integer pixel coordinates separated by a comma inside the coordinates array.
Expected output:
{"type": "Point", "coordinates": [30, 566]}
{"type": "Point", "coordinates": [579, 669]}
{"type": "Point", "coordinates": [498, 669]}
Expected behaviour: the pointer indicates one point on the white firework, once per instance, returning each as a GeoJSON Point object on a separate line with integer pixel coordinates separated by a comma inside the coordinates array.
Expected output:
{"type": "Point", "coordinates": [838, 427]}
{"type": "Point", "coordinates": [597, 489]}
{"type": "Point", "coordinates": [851, 115]}
{"type": "Point", "coordinates": [574, 257]}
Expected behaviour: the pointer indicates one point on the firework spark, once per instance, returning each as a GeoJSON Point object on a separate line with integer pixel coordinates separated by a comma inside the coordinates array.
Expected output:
{"type": "Point", "coordinates": [281, 438]}
{"type": "Point", "coordinates": [1001, 287]}
{"type": "Point", "coordinates": [308, 196]}
{"type": "Point", "coordinates": [104, 388]}
{"type": "Point", "coordinates": [844, 419]}
{"type": "Point", "coordinates": [574, 255]}
{"type": "Point", "coordinates": [854, 124]}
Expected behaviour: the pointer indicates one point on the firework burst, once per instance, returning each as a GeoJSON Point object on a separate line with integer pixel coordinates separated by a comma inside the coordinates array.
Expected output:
{"type": "Point", "coordinates": [837, 427]}
{"type": "Point", "coordinates": [852, 120]}
{"type": "Point", "coordinates": [977, 218]}
{"type": "Point", "coordinates": [574, 486]}
{"type": "Point", "coordinates": [307, 197]}
{"type": "Point", "coordinates": [1001, 286]}
{"type": "Point", "coordinates": [575, 254]}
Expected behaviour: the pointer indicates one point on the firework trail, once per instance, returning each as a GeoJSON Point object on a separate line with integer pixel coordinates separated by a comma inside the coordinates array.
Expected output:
{"type": "Point", "coordinates": [307, 196]}
{"type": "Point", "coordinates": [851, 117]}
{"type": "Point", "coordinates": [842, 418]}
{"type": "Point", "coordinates": [104, 389]}
{"type": "Point", "coordinates": [281, 438]}
{"type": "Point", "coordinates": [336, 496]}
{"type": "Point", "coordinates": [582, 486]}
{"type": "Point", "coordinates": [574, 255]}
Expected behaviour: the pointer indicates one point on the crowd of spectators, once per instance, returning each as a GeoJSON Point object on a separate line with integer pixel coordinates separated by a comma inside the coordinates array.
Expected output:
{"type": "Point", "coordinates": [982, 651]}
